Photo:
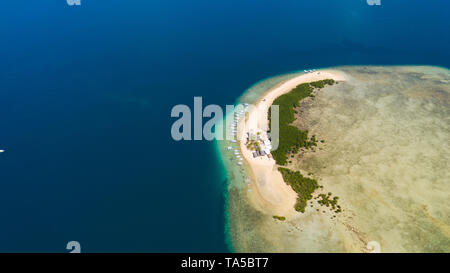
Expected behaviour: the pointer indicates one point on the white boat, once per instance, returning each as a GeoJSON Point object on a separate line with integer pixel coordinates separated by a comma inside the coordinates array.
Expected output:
{"type": "Point", "coordinates": [1, 151]}
{"type": "Point", "coordinates": [229, 148]}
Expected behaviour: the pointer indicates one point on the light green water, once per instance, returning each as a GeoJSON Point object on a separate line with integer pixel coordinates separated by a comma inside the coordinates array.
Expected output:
{"type": "Point", "coordinates": [238, 176]}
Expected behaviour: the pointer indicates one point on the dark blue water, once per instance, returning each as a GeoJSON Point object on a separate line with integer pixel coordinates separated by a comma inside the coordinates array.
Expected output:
{"type": "Point", "coordinates": [86, 94]}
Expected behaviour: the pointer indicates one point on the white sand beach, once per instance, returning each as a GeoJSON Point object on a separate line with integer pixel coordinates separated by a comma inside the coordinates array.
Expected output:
{"type": "Point", "coordinates": [272, 195]}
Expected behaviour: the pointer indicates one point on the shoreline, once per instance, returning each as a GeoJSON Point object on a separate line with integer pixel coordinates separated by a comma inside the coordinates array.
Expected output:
{"type": "Point", "coordinates": [238, 177]}
{"type": "Point", "coordinates": [270, 194]}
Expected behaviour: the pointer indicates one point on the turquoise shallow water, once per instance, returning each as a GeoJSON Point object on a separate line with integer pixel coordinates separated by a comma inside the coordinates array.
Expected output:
{"type": "Point", "coordinates": [238, 176]}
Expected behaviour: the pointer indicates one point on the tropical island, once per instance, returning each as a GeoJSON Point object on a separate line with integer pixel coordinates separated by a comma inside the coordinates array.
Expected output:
{"type": "Point", "coordinates": [358, 162]}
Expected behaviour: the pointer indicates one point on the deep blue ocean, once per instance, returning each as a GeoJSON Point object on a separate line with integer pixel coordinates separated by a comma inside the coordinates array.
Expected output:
{"type": "Point", "coordinates": [86, 93]}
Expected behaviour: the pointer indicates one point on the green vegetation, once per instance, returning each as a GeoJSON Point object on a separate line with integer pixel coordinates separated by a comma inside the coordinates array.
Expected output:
{"type": "Point", "coordinates": [327, 201]}
{"type": "Point", "coordinates": [252, 145]}
{"type": "Point", "coordinates": [321, 84]}
{"type": "Point", "coordinates": [303, 186]}
{"type": "Point", "coordinates": [291, 138]}
{"type": "Point", "coordinates": [281, 218]}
